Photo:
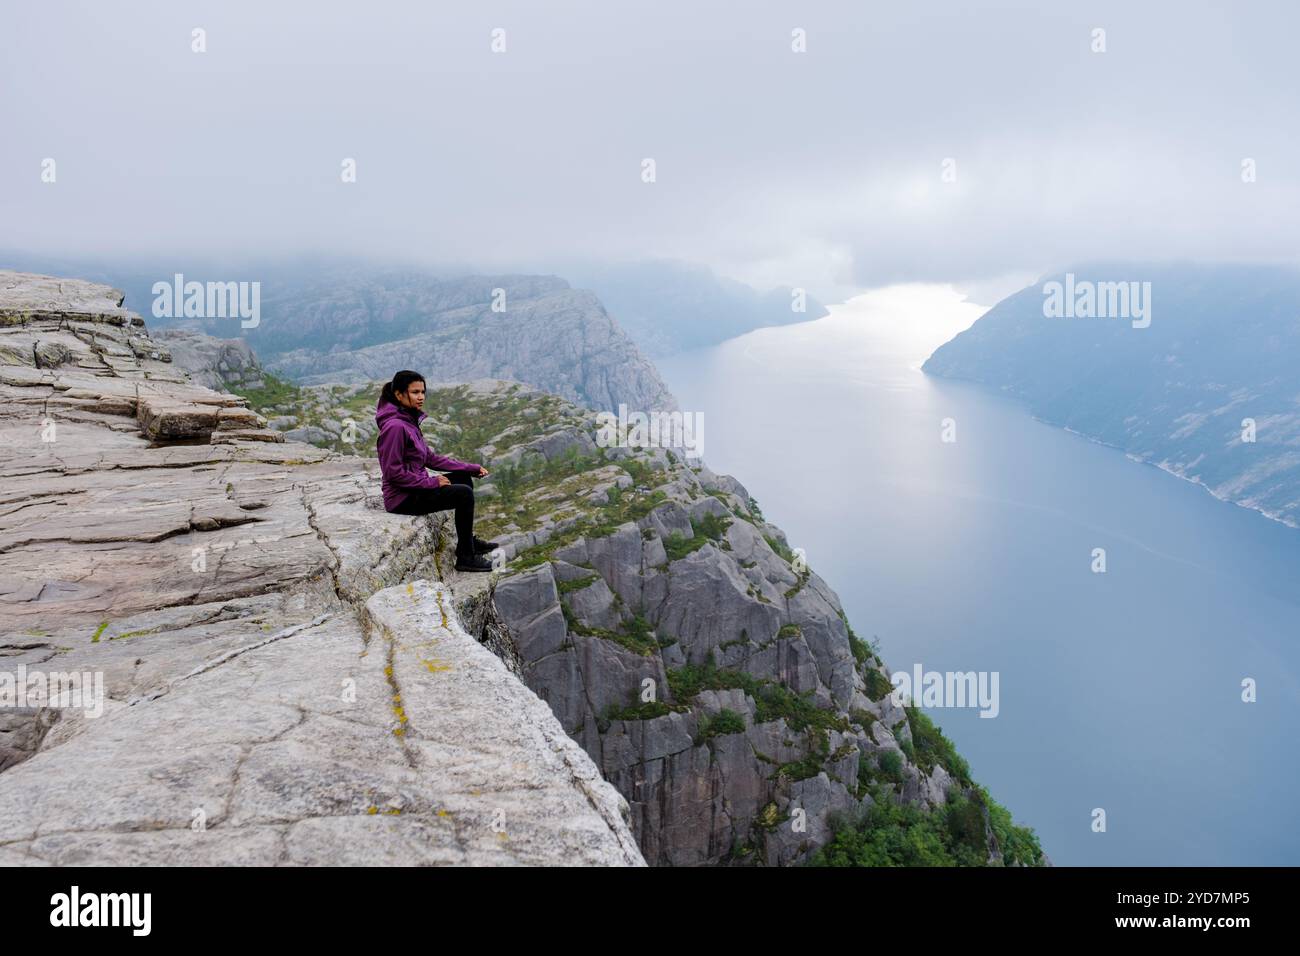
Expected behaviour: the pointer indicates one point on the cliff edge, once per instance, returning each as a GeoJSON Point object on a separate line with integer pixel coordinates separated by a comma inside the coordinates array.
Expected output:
{"type": "Point", "coordinates": [284, 679]}
{"type": "Point", "coordinates": [653, 675]}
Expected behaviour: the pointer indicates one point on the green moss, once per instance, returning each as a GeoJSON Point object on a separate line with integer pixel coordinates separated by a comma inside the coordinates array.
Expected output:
{"type": "Point", "coordinates": [723, 722]}
{"type": "Point", "coordinates": [780, 548]}
{"type": "Point", "coordinates": [861, 652]}
{"type": "Point", "coordinates": [577, 584]}
{"type": "Point", "coordinates": [635, 635]}
{"type": "Point", "coordinates": [602, 522]}
{"type": "Point", "coordinates": [274, 391]}
{"type": "Point", "coordinates": [686, 682]}
{"type": "Point", "coordinates": [862, 718]}
{"type": "Point", "coordinates": [642, 710]}
{"type": "Point", "coordinates": [878, 685]}
{"type": "Point", "coordinates": [932, 747]}
{"type": "Point", "coordinates": [103, 625]}
{"type": "Point", "coordinates": [772, 699]}
{"type": "Point", "coordinates": [709, 528]}
{"type": "Point", "coordinates": [678, 546]}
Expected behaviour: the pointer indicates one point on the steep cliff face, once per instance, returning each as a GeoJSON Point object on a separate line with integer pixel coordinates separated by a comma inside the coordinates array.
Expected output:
{"type": "Point", "coordinates": [282, 675]}
{"type": "Point", "coordinates": [711, 675]}
{"type": "Point", "coordinates": [286, 663]}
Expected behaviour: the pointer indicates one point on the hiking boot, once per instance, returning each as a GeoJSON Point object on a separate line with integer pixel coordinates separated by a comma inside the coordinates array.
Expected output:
{"type": "Point", "coordinates": [472, 563]}
{"type": "Point", "coordinates": [483, 547]}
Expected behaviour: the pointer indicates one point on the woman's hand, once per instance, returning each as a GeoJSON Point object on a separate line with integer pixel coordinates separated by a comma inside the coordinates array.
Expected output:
{"type": "Point", "coordinates": [483, 472]}
{"type": "Point", "coordinates": [441, 480]}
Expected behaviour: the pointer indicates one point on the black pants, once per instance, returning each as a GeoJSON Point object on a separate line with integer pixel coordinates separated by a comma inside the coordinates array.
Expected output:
{"type": "Point", "coordinates": [459, 495]}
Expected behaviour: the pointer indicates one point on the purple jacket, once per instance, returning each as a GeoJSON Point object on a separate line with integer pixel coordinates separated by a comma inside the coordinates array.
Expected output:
{"type": "Point", "coordinates": [403, 454]}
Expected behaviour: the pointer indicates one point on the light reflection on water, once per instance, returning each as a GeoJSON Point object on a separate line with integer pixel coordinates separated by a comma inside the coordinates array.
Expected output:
{"type": "Point", "coordinates": [1118, 690]}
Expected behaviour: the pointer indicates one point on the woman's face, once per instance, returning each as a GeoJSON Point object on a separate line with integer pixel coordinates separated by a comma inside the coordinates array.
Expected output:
{"type": "Point", "coordinates": [413, 397]}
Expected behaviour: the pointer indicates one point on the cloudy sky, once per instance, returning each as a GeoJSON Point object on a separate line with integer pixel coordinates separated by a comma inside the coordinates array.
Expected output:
{"type": "Point", "coordinates": [821, 169]}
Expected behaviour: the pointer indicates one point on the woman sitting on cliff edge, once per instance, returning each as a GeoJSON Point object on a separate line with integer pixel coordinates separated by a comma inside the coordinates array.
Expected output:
{"type": "Point", "coordinates": [403, 458]}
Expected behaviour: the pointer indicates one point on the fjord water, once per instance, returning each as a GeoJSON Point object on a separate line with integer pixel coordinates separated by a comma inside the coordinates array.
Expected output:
{"type": "Point", "coordinates": [1120, 691]}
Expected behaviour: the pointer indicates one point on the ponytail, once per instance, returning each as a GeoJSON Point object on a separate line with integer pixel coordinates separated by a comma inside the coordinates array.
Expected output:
{"type": "Point", "coordinates": [400, 383]}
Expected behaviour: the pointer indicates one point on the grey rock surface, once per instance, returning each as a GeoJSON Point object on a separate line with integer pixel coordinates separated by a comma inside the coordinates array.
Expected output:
{"type": "Point", "coordinates": [310, 433]}
{"type": "Point", "coordinates": [285, 678]}
{"type": "Point", "coordinates": [218, 364]}
{"type": "Point", "coordinates": [613, 619]}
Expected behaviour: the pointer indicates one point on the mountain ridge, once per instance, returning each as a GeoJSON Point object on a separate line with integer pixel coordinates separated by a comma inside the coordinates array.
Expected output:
{"type": "Point", "coordinates": [1219, 354]}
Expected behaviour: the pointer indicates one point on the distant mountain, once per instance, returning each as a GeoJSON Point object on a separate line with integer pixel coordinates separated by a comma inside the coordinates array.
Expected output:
{"type": "Point", "coordinates": [322, 322]}
{"type": "Point", "coordinates": [534, 329]}
{"type": "Point", "coordinates": [1222, 346]}
{"type": "Point", "coordinates": [670, 307]}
